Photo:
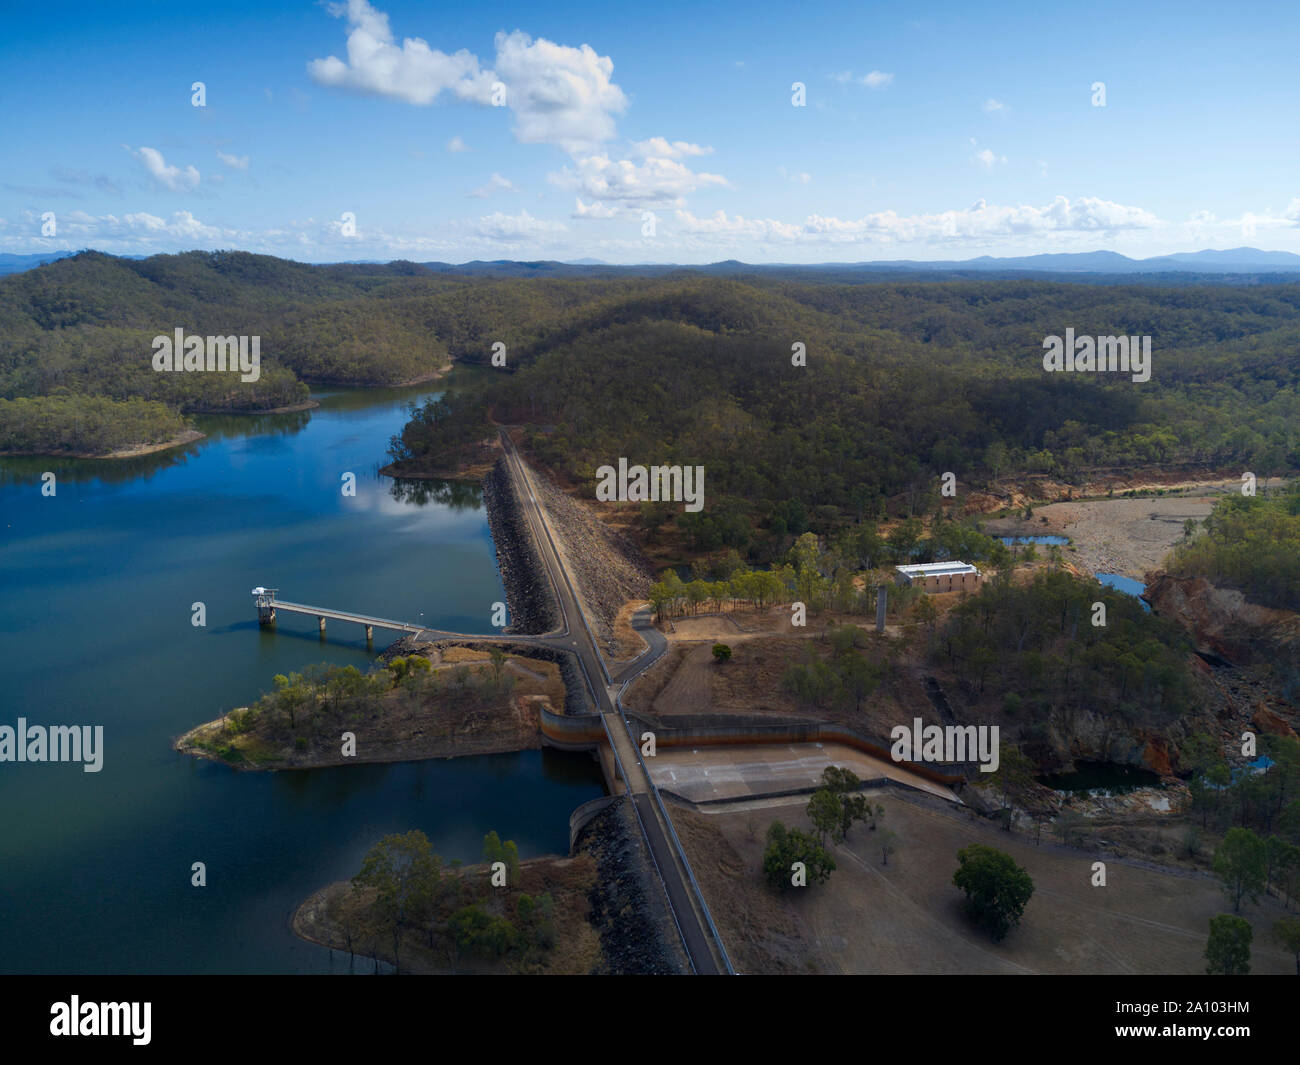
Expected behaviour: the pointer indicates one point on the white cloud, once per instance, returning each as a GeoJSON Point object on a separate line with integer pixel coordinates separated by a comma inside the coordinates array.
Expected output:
{"type": "Point", "coordinates": [986, 157]}
{"type": "Point", "coordinates": [719, 224]}
{"type": "Point", "coordinates": [592, 210]}
{"type": "Point", "coordinates": [799, 177]}
{"type": "Point", "coordinates": [978, 222]}
{"type": "Point", "coordinates": [522, 226]}
{"type": "Point", "coordinates": [171, 177]}
{"type": "Point", "coordinates": [559, 95]}
{"type": "Point", "coordinates": [991, 105]}
{"type": "Point", "coordinates": [235, 162]}
{"type": "Point", "coordinates": [413, 71]}
{"type": "Point", "coordinates": [659, 146]}
{"type": "Point", "coordinates": [496, 183]}
{"type": "Point", "coordinates": [656, 179]}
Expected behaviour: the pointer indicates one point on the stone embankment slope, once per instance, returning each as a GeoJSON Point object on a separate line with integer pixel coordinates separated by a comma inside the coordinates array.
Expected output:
{"type": "Point", "coordinates": [607, 568]}
{"type": "Point", "coordinates": [529, 598]}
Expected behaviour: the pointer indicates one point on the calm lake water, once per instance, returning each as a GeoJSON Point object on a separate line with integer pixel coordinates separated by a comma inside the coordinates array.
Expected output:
{"type": "Point", "coordinates": [95, 628]}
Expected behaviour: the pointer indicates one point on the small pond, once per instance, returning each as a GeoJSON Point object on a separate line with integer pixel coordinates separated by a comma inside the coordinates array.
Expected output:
{"type": "Point", "coordinates": [1101, 778]}
{"type": "Point", "coordinates": [1127, 585]}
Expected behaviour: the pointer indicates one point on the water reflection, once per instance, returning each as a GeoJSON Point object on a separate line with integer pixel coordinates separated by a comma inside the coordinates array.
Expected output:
{"type": "Point", "coordinates": [458, 495]}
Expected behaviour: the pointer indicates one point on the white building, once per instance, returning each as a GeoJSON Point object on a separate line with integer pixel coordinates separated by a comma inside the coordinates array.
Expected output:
{"type": "Point", "coordinates": [941, 576]}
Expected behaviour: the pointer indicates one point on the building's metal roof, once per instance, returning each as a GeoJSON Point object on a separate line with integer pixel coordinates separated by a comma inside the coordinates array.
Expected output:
{"type": "Point", "coordinates": [936, 569]}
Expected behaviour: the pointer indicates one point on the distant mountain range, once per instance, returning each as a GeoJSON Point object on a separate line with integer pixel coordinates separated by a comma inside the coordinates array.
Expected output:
{"type": "Point", "coordinates": [1236, 264]}
{"type": "Point", "coordinates": [16, 264]}
{"type": "Point", "coordinates": [1230, 261]}
{"type": "Point", "coordinates": [1239, 261]}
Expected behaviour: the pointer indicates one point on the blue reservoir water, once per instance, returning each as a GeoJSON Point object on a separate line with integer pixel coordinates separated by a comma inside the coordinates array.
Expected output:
{"type": "Point", "coordinates": [95, 628]}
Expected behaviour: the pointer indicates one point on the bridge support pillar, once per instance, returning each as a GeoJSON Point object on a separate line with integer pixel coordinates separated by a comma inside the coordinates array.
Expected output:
{"type": "Point", "coordinates": [321, 623]}
{"type": "Point", "coordinates": [370, 634]}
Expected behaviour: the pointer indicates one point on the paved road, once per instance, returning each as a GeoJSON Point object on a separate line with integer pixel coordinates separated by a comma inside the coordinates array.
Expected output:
{"type": "Point", "coordinates": [575, 637]}
{"type": "Point", "coordinates": [578, 639]}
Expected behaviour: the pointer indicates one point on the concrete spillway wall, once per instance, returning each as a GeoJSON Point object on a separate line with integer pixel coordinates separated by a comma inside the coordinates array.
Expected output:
{"type": "Point", "coordinates": [584, 731]}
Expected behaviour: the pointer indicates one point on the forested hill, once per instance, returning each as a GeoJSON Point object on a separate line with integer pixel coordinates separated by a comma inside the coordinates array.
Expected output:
{"type": "Point", "coordinates": [903, 379]}
{"type": "Point", "coordinates": [76, 341]}
{"type": "Point", "coordinates": [902, 382]}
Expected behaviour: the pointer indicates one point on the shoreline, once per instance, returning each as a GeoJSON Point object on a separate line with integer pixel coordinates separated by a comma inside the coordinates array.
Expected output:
{"type": "Point", "coordinates": [292, 408]}
{"type": "Point", "coordinates": [189, 436]}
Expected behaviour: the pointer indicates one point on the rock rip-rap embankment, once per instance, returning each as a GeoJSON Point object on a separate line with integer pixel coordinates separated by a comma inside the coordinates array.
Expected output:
{"type": "Point", "coordinates": [528, 592]}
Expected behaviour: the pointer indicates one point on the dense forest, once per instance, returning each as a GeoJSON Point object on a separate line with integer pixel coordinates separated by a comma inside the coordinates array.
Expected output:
{"type": "Point", "coordinates": [77, 342]}
{"type": "Point", "coordinates": [1038, 646]}
{"type": "Point", "coordinates": [902, 383]}
{"type": "Point", "coordinates": [1251, 543]}
{"type": "Point", "coordinates": [83, 425]}
{"type": "Point", "coordinates": [904, 379]}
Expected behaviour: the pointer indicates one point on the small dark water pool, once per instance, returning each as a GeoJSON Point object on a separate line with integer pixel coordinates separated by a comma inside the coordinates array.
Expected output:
{"type": "Point", "coordinates": [1058, 541]}
{"type": "Point", "coordinates": [1101, 776]}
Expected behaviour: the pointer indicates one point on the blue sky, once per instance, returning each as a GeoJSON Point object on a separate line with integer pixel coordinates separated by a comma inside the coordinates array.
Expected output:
{"type": "Point", "coordinates": [368, 130]}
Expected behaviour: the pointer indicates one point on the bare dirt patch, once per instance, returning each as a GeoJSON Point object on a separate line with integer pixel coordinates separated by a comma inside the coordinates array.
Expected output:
{"type": "Point", "coordinates": [1126, 536]}
{"type": "Point", "coordinates": [906, 917]}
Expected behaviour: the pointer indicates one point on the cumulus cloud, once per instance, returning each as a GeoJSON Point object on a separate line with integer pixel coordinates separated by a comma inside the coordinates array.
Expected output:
{"type": "Point", "coordinates": [235, 162]}
{"type": "Point", "coordinates": [521, 226]}
{"type": "Point", "coordinates": [653, 180]}
{"type": "Point", "coordinates": [558, 94]}
{"type": "Point", "coordinates": [170, 177]}
{"type": "Point", "coordinates": [411, 71]}
{"type": "Point", "coordinates": [991, 105]}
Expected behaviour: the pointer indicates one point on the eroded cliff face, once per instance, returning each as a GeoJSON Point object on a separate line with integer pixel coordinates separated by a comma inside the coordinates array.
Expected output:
{"type": "Point", "coordinates": [1258, 648]}
{"type": "Point", "coordinates": [1221, 621]}
{"type": "Point", "coordinates": [1089, 736]}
